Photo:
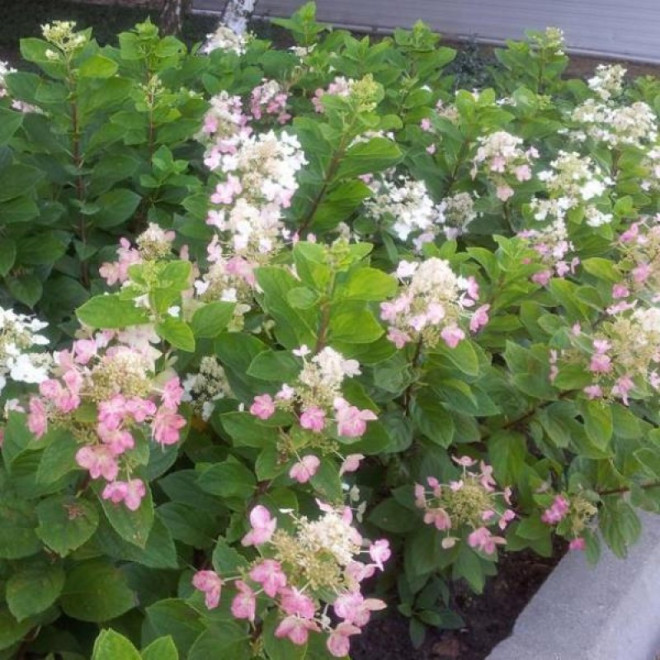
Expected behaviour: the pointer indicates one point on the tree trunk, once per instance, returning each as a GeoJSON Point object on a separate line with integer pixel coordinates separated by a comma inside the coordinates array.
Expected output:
{"type": "Point", "coordinates": [171, 16]}
{"type": "Point", "coordinates": [237, 13]}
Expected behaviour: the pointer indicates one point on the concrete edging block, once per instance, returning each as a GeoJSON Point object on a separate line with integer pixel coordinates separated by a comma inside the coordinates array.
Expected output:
{"type": "Point", "coordinates": [610, 611]}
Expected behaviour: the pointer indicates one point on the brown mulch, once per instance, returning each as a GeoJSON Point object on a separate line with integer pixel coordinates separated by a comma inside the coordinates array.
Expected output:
{"type": "Point", "coordinates": [489, 617]}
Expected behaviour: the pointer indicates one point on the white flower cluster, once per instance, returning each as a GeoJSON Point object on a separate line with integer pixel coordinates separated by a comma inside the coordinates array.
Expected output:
{"type": "Point", "coordinates": [225, 39]}
{"type": "Point", "coordinates": [4, 70]}
{"type": "Point", "coordinates": [261, 180]}
{"type": "Point", "coordinates": [651, 165]}
{"type": "Point", "coordinates": [18, 334]}
{"type": "Point", "coordinates": [504, 161]}
{"type": "Point", "coordinates": [225, 124]}
{"type": "Point", "coordinates": [573, 181]}
{"type": "Point", "coordinates": [325, 373]}
{"type": "Point", "coordinates": [458, 211]}
{"type": "Point", "coordinates": [552, 39]}
{"type": "Point", "coordinates": [406, 205]}
{"type": "Point", "coordinates": [62, 35]}
{"type": "Point", "coordinates": [331, 533]}
{"type": "Point", "coordinates": [205, 387]}
{"type": "Point", "coordinates": [431, 305]}
{"type": "Point", "coordinates": [607, 83]}
{"type": "Point", "coordinates": [633, 125]}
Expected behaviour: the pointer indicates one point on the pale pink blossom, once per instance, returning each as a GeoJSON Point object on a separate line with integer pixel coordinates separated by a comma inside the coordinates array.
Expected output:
{"type": "Point", "coordinates": [130, 492]}
{"type": "Point", "coordinates": [351, 463]}
{"type": "Point", "coordinates": [338, 642]}
{"type": "Point", "coordinates": [99, 461]}
{"type": "Point", "coordinates": [268, 573]}
{"type": "Point", "coordinates": [263, 527]}
{"type": "Point", "coordinates": [172, 393]}
{"type": "Point", "coordinates": [504, 193]}
{"type": "Point", "coordinates": [313, 419]}
{"type": "Point", "coordinates": [483, 540]}
{"type": "Point", "coordinates": [557, 511]}
{"type": "Point", "coordinates": [380, 552]}
{"type": "Point", "coordinates": [210, 583]}
{"type": "Point", "coordinates": [296, 603]}
{"type": "Point", "coordinates": [296, 629]}
{"type": "Point", "coordinates": [351, 421]}
{"type": "Point", "coordinates": [263, 406]}
{"type": "Point", "coordinates": [305, 469]}
{"type": "Point", "coordinates": [166, 426]}
{"type": "Point", "coordinates": [577, 544]}
{"type": "Point", "coordinates": [479, 318]}
{"type": "Point", "coordinates": [452, 335]}
{"type": "Point", "coordinates": [244, 604]}
{"type": "Point", "coordinates": [37, 417]}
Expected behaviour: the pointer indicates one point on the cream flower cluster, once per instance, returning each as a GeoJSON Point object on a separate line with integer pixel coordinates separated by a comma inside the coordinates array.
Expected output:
{"type": "Point", "coordinates": [607, 82]}
{"type": "Point", "coordinates": [405, 206]}
{"type": "Point", "coordinates": [432, 305]}
{"type": "Point", "coordinates": [205, 387]}
{"type": "Point", "coordinates": [260, 181]}
{"type": "Point", "coordinates": [465, 508]}
{"type": "Point", "coordinates": [225, 39]}
{"type": "Point", "coordinates": [573, 181]}
{"type": "Point", "coordinates": [458, 212]}
{"type": "Point", "coordinates": [304, 572]}
{"type": "Point", "coordinates": [18, 335]}
{"type": "Point", "coordinates": [553, 247]}
{"type": "Point", "coordinates": [501, 157]}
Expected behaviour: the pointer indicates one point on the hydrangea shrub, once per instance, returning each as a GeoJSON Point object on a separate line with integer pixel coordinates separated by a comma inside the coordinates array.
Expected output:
{"type": "Point", "coordinates": [343, 334]}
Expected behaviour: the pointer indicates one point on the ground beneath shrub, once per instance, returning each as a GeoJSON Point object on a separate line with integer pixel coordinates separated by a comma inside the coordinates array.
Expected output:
{"type": "Point", "coordinates": [489, 618]}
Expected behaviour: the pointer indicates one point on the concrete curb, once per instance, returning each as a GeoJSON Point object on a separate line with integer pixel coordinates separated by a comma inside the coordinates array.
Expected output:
{"type": "Point", "coordinates": [610, 611]}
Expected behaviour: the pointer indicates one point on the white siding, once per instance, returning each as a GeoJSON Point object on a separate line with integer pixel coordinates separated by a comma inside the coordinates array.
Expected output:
{"type": "Point", "coordinates": [629, 30]}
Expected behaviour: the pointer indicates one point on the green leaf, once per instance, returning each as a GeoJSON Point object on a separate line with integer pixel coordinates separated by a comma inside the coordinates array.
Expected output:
{"type": "Point", "coordinates": [45, 248]}
{"type": "Point", "coordinates": [246, 431]}
{"type": "Point", "coordinates": [132, 526]}
{"type": "Point", "coordinates": [11, 631]}
{"type": "Point", "coordinates": [111, 311]}
{"type": "Point", "coordinates": [392, 517]}
{"type": "Point", "coordinates": [211, 319]}
{"type": "Point", "coordinates": [96, 591]}
{"type": "Point", "coordinates": [467, 565]}
{"type": "Point", "coordinates": [463, 356]}
{"type": "Point", "coordinates": [226, 635]}
{"type": "Point", "coordinates": [27, 289]}
{"type": "Point", "coordinates": [162, 648]}
{"type": "Point", "coordinates": [18, 180]}
{"type": "Point", "coordinates": [228, 479]}
{"type": "Point", "coordinates": [352, 323]}
{"type": "Point", "coordinates": [226, 560]}
{"type": "Point", "coordinates": [33, 589]}
{"type": "Point", "coordinates": [176, 618]}
{"type": "Point", "coordinates": [507, 452]}
{"type": "Point", "coordinates": [177, 333]}
{"type": "Point", "coordinates": [17, 534]}
{"type": "Point", "coordinates": [66, 522]}
{"type": "Point", "coordinates": [432, 418]}
{"type": "Point", "coordinates": [58, 458]}
{"type": "Point", "coordinates": [326, 481]}
{"type": "Point", "coordinates": [276, 366]}
{"type": "Point", "coordinates": [7, 254]}
{"type": "Point", "coordinates": [98, 66]}
{"type": "Point", "coordinates": [10, 121]}
{"type": "Point", "coordinates": [117, 206]}
{"type": "Point", "coordinates": [375, 155]}
{"type": "Point", "coordinates": [619, 525]}
{"type": "Point", "coordinates": [302, 297]}
{"type": "Point", "coordinates": [368, 284]}
{"type": "Point", "coordinates": [597, 422]}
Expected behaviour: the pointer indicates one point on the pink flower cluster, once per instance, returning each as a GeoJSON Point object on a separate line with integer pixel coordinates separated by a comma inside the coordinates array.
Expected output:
{"type": "Point", "coordinates": [340, 86]}
{"type": "Point", "coordinates": [501, 156]}
{"type": "Point", "coordinates": [316, 399]}
{"type": "Point", "coordinates": [466, 507]}
{"type": "Point", "coordinates": [432, 305]}
{"type": "Point", "coordinates": [269, 98]}
{"type": "Point", "coordinates": [571, 520]}
{"type": "Point", "coordinates": [111, 375]}
{"type": "Point", "coordinates": [295, 578]}
{"type": "Point", "coordinates": [553, 247]}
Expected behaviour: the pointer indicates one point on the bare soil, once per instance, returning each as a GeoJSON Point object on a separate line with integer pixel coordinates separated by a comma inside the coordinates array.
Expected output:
{"type": "Point", "coordinates": [489, 617]}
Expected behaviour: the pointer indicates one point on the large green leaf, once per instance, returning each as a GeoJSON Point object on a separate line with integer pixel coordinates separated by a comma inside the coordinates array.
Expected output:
{"type": "Point", "coordinates": [33, 589]}
{"type": "Point", "coordinates": [111, 311]}
{"type": "Point", "coordinates": [96, 591]}
{"type": "Point", "coordinates": [66, 522]}
{"type": "Point", "coordinates": [110, 645]}
{"type": "Point", "coordinates": [132, 526]}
